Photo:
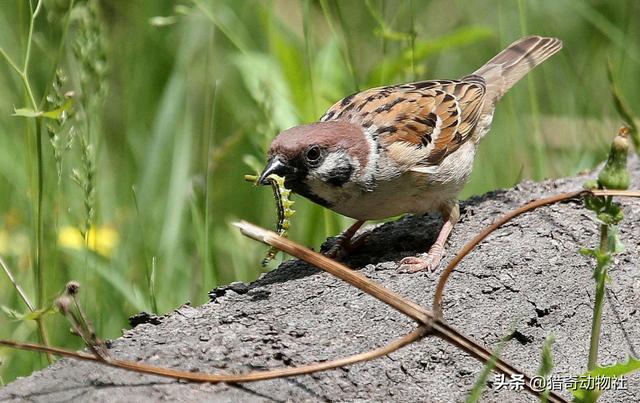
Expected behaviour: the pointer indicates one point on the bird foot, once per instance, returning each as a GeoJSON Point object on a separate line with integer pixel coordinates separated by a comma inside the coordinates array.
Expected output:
{"type": "Point", "coordinates": [414, 264]}
{"type": "Point", "coordinates": [339, 249]}
{"type": "Point", "coordinates": [344, 246]}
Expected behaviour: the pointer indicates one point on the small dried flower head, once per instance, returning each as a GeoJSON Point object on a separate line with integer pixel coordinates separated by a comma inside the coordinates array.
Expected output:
{"type": "Point", "coordinates": [73, 287]}
{"type": "Point", "coordinates": [63, 304]}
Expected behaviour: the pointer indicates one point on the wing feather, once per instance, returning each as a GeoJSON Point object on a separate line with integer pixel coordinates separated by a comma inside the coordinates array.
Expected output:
{"type": "Point", "coordinates": [421, 123]}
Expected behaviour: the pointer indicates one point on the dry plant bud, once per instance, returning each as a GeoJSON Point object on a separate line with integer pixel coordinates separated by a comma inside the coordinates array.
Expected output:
{"type": "Point", "coordinates": [73, 287]}
{"type": "Point", "coordinates": [63, 303]}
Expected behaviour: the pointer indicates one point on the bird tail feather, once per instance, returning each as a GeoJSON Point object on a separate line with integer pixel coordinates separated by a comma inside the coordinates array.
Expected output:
{"type": "Point", "coordinates": [510, 65]}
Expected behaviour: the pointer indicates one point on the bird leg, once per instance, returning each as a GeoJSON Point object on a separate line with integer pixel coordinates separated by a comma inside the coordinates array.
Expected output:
{"type": "Point", "coordinates": [414, 264]}
{"type": "Point", "coordinates": [345, 243]}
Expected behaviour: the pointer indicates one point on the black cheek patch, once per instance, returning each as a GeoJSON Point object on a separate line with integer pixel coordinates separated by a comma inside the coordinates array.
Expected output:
{"type": "Point", "coordinates": [303, 190]}
{"type": "Point", "coordinates": [297, 184]}
{"type": "Point", "coordinates": [338, 176]}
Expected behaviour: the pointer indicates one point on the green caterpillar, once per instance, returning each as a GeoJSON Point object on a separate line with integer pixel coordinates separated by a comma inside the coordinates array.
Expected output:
{"type": "Point", "coordinates": [283, 204]}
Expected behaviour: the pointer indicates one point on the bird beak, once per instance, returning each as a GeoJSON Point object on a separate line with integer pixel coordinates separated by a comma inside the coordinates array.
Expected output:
{"type": "Point", "coordinates": [274, 166]}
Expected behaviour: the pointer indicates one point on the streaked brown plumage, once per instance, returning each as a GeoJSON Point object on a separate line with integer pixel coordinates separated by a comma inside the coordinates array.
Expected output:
{"type": "Point", "coordinates": [409, 113]}
{"type": "Point", "coordinates": [404, 148]}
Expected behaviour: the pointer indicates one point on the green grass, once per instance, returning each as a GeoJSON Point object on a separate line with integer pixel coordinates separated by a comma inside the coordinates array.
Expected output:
{"type": "Point", "coordinates": [176, 114]}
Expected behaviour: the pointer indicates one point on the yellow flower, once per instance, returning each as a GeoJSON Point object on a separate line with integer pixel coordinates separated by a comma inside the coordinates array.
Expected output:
{"type": "Point", "coordinates": [102, 240]}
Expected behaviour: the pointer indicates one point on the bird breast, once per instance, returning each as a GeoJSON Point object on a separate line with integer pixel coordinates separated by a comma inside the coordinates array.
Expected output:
{"type": "Point", "coordinates": [408, 192]}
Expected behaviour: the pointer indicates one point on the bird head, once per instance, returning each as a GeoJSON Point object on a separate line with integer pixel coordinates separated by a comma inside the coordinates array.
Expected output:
{"type": "Point", "coordinates": [318, 159]}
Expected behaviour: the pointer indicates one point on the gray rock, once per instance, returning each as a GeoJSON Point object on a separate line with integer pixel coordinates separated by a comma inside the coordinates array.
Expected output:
{"type": "Point", "coordinates": [527, 279]}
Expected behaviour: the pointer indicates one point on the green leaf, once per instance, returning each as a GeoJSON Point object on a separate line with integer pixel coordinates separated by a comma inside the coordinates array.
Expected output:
{"type": "Point", "coordinates": [589, 252]}
{"type": "Point", "coordinates": [59, 112]}
{"type": "Point", "coordinates": [392, 35]}
{"type": "Point", "coordinates": [594, 203]}
{"type": "Point", "coordinates": [160, 21]}
{"type": "Point", "coordinates": [603, 260]}
{"type": "Point", "coordinates": [384, 30]}
{"type": "Point", "coordinates": [615, 245]}
{"type": "Point", "coordinates": [546, 363]}
{"type": "Point", "coordinates": [394, 64]}
{"type": "Point", "coordinates": [585, 395]}
{"type": "Point", "coordinates": [266, 82]}
{"type": "Point", "coordinates": [478, 387]}
{"type": "Point", "coordinates": [11, 313]}
{"type": "Point", "coordinates": [607, 218]}
{"type": "Point", "coordinates": [616, 370]}
{"type": "Point", "coordinates": [26, 113]}
{"type": "Point", "coordinates": [35, 315]}
{"type": "Point", "coordinates": [54, 114]}
{"type": "Point", "coordinates": [610, 213]}
{"type": "Point", "coordinates": [590, 184]}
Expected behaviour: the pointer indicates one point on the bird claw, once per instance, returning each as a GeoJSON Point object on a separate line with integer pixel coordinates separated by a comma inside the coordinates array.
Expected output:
{"type": "Point", "coordinates": [338, 250]}
{"type": "Point", "coordinates": [343, 246]}
{"type": "Point", "coordinates": [414, 264]}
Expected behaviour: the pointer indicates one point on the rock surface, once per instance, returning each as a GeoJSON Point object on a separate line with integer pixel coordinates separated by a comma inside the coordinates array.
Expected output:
{"type": "Point", "coordinates": [527, 279]}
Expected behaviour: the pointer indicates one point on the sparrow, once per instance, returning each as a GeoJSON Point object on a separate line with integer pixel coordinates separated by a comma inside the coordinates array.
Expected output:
{"type": "Point", "coordinates": [406, 148]}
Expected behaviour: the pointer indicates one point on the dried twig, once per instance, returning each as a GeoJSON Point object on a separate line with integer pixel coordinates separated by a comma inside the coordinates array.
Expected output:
{"type": "Point", "coordinates": [416, 312]}
{"type": "Point", "coordinates": [80, 325]}
{"type": "Point", "coordinates": [415, 335]}
{"type": "Point", "coordinates": [428, 322]}
{"type": "Point", "coordinates": [411, 309]}
{"type": "Point", "coordinates": [421, 315]}
{"type": "Point", "coordinates": [437, 300]}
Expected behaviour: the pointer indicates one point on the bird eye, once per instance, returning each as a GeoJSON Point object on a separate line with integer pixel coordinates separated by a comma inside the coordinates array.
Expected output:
{"type": "Point", "coordinates": [313, 155]}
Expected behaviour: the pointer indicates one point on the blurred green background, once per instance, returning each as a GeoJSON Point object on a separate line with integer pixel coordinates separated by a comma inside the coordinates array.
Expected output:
{"type": "Point", "coordinates": [175, 100]}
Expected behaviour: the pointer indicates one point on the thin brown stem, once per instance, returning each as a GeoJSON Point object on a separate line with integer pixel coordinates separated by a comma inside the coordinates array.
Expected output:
{"type": "Point", "coordinates": [428, 323]}
{"type": "Point", "coordinates": [469, 246]}
{"type": "Point", "coordinates": [84, 335]}
{"type": "Point", "coordinates": [415, 335]}
{"type": "Point", "coordinates": [396, 301]}
{"type": "Point", "coordinates": [621, 193]}
{"type": "Point", "coordinates": [416, 312]}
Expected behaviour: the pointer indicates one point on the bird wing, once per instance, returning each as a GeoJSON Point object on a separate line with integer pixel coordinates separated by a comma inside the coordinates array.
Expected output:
{"type": "Point", "coordinates": [420, 123]}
